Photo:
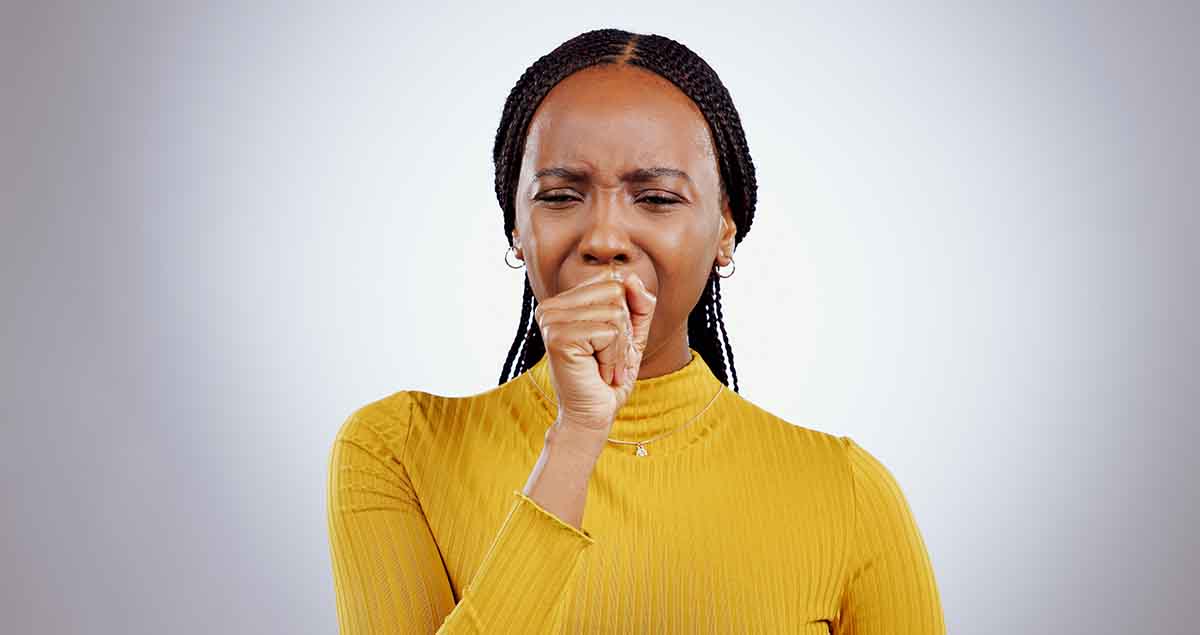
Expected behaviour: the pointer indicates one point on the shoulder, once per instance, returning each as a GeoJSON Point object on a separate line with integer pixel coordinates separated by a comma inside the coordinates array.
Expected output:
{"type": "Point", "coordinates": [840, 450]}
{"type": "Point", "coordinates": [878, 498]}
{"type": "Point", "coordinates": [385, 425]}
{"type": "Point", "coordinates": [811, 445]}
{"type": "Point", "coordinates": [838, 460]}
{"type": "Point", "coordinates": [858, 459]}
{"type": "Point", "coordinates": [866, 470]}
{"type": "Point", "coordinates": [835, 463]}
{"type": "Point", "coordinates": [380, 427]}
{"type": "Point", "coordinates": [839, 464]}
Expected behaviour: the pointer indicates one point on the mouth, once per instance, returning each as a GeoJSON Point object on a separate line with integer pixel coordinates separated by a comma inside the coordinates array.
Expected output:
{"type": "Point", "coordinates": [611, 271]}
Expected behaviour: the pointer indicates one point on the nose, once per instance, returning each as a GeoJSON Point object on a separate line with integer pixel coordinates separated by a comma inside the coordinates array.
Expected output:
{"type": "Point", "coordinates": [606, 238]}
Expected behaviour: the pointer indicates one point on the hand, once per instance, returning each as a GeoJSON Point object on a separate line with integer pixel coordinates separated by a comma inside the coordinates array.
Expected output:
{"type": "Point", "coordinates": [595, 335]}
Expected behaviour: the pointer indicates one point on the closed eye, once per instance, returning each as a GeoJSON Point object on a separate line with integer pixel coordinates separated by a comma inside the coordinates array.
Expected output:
{"type": "Point", "coordinates": [660, 200]}
{"type": "Point", "coordinates": [556, 199]}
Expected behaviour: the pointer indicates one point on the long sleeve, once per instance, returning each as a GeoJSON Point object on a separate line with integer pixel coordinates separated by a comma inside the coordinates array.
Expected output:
{"type": "Point", "coordinates": [387, 569]}
{"type": "Point", "coordinates": [891, 587]}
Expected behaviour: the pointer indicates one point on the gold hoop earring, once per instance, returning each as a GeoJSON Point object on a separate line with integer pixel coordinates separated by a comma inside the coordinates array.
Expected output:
{"type": "Point", "coordinates": [513, 251]}
{"type": "Point", "coordinates": [717, 269]}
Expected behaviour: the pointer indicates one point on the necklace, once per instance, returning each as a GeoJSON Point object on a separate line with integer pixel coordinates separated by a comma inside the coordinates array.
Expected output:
{"type": "Point", "coordinates": [641, 445]}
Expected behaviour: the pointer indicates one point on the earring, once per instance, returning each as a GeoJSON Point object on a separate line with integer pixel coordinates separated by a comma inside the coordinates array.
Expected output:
{"type": "Point", "coordinates": [717, 270]}
{"type": "Point", "coordinates": [510, 265]}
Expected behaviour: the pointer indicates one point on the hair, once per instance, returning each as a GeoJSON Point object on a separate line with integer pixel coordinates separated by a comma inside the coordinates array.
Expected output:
{"type": "Point", "coordinates": [692, 75]}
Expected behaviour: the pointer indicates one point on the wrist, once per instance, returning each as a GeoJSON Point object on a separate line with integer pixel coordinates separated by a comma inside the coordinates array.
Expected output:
{"type": "Point", "coordinates": [582, 441]}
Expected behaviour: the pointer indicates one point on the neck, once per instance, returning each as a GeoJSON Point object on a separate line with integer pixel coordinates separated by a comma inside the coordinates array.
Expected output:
{"type": "Point", "coordinates": [656, 405]}
{"type": "Point", "coordinates": [668, 357]}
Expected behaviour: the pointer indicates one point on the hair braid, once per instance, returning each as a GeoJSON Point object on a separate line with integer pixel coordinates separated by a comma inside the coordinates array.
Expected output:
{"type": "Point", "coordinates": [528, 303]}
{"type": "Point", "coordinates": [720, 321]}
{"type": "Point", "coordinates": [695, 78]}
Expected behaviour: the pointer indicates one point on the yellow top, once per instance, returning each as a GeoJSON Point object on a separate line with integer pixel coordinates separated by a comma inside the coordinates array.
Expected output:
{"type": "Point", "coordinates": [739, 522]}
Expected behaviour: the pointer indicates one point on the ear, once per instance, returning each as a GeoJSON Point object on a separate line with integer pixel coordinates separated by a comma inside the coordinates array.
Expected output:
{"type": "Point", "coordinates": [516, 242]}
{"type": "Point", "coordinates": [725, 239]}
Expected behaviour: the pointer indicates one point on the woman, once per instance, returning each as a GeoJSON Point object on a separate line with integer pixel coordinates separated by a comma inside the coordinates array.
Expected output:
{"type": "Point", "coordinates": [626, 183]}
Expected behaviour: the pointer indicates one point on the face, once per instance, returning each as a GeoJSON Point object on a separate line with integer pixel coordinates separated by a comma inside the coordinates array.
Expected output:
{"type": "Point", "coordinates": [619, 167]}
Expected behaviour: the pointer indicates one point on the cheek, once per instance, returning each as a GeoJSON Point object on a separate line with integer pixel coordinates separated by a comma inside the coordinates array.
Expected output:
{"type": "Point", "coordinates": [688, 263]}
{"type": "Point", "coordinates": [681, 281]}
{"type": "Point", "coordinates": [682, 260]}
{"type": "Point", "coordinates": [546, 249]}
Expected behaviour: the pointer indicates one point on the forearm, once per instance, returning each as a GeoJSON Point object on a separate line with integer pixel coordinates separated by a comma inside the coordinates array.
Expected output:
{"type": "Point", "coordinates": [559, 479]}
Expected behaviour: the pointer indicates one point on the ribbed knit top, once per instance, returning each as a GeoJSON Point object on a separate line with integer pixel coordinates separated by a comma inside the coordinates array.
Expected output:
{"type": "Point", "coordinates": [738, 522]}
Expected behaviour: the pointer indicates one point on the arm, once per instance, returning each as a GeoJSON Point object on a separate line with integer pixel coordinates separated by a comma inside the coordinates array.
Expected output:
{"type": "Point", "coordinates": [388, 571]}
{"type": "Point", "coordinates": [891, 586]}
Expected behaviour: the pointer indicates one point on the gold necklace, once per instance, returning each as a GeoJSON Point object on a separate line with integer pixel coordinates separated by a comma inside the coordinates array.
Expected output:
{"type": "Point", "coordinates": [641, 445]}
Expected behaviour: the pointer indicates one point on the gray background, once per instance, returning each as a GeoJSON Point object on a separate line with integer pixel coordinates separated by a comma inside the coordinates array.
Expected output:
{"type": "Point", "coordinates": [226, 228]}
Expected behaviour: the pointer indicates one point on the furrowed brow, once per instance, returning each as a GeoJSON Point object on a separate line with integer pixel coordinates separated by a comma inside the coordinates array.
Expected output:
{"type": "Point", "coordinates": [560, 172]}
{"type": "Point", "coordinates": [641, 175]}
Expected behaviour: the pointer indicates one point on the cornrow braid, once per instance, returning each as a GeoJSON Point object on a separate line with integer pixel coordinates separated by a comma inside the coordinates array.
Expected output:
{"type": "Point", "coordinates": [695, 78]}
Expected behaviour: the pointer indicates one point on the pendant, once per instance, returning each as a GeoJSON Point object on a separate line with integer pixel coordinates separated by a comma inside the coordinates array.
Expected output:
{"type": "Point", "coordinates": [641, 450]}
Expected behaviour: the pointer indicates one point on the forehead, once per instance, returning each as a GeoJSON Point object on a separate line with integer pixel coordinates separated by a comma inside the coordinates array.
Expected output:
{"type": "Point", "coordinates": [619, 116]}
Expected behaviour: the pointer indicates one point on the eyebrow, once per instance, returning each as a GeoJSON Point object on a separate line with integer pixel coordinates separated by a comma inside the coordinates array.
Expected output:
{"type": "Point", "coordinates": [639, 175]}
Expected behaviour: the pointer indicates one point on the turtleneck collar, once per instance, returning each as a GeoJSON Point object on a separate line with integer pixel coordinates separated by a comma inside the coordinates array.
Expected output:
{"type": "Point", "coordinates": [655, 406]}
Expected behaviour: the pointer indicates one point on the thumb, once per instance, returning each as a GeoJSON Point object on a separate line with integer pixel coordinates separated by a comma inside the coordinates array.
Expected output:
{"type": "Point", "coordinates": [641, 308]}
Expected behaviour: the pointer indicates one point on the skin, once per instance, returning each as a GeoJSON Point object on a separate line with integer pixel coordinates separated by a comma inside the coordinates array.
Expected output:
{"type": "Point", "coordinates": [601, 123]}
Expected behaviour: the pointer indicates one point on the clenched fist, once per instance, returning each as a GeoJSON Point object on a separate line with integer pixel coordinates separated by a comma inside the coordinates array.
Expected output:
{"type": "Point", "coordinates": [595, 334]}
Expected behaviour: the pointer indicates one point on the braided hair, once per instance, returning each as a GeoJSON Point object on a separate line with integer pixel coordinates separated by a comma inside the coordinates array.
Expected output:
{"type": "Point", "coordinates": [692, 75]}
